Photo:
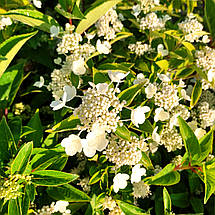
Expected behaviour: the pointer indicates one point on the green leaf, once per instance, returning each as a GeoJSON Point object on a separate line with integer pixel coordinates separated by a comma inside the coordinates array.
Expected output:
{"type": "Point", "coordinates": [33, 18]}
{"type": "Point", "coordinates": [206, 144]}
{"type": "Point", "coordinates": [27, 198]}
{"type": "Point", "coordinates": [130, 93]}
{"type": "Point", "coordinates": [95, 178]}
{"type": "Point", "coordinates": [7, 143]}
{"type": "Point", "coordinates": [21, 160]}
{"type": "Point", "coordinates": [99, 76]}
{"type": "Point", "coordinates": [123, 133]}
{"type": "Point", "coordinates": [10, 83]}
{"type": "Point", "coordinates": [67, 5]}
{"type": "Point", "coordinates": [146, 161]}
{"type": "Point", "coordinates": [114, 66]}
{"type": "Point", "coordinates": [196, 93]}
{"type": "Point", "coordinates": [15, 125]}
{"type": "Point", "coordinates": [191, 143]}
{"type": "Point", "coordinates": [14, 207]}
{"type": "Point", "coordinates": [9, 4]}
{"type": "Point", "coordinates": [74, 79]}
{"type": "Point", "coordinates": [129, 209]}
{"type": "Point", "coordinates": [209, 15]}
{"type": "Point", "coordinates": [183, 73]}
{"type": "Point", "coordinates": [98, 9]}
{"type": "Point", "coordinates": [42, 160]}
{"type": "Point", "coordinates": [163, 64]}
{"type": "Point", "coordinates": [52, 177]}
{"type": "Point", "coordinates": [65, 125]}
{"type": "Point", "coordinates": [35, 124]}
{"type": "Point", "coordinates": [75, 14]}
{"type": "Point", "coordinates": [68, 193]}
{"type": "Point", "coordinates": [166, 177]}
{"type": "Point", "coordinates": [10, 47]}
{"type": "Point", "coordinates": [166, 201]}
{"type": "Point", "coordinates": [209, 180]}
{"type": "Point", "coordinates": [146, 127]}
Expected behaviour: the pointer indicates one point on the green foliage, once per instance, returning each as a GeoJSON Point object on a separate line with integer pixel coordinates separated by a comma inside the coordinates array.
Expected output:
{"type": "Point", "coordinates": [33, 18]}
{"type": "Point", "coordinates": [52, 177]}
{"type": "Point", "coordinates": [22, 159]}
{"type": "Point", "coordinates": [98, 9]}
{"type": "Point", "coordinates": [68, 193]}
{"type": "Point", "coordinates": [10, 47]}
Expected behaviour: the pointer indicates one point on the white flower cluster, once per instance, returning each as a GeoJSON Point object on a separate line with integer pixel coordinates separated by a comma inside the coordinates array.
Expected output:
{"type": "Point", "coordinates": [147, 5]}
{"type": "Point", "coordinates": [60, 79]}
{"type": "Point", "coordinates": [108, 25]}
{"type": "Point", "coordinates": [100, 106]}
{"type": "Point", "coordinates": [206, 115]}
{"type": "Point", "coordinates": [192, 28]}
{"type": "Point", "coordinates": [110, 204]}
{"type": "Point", "coordinates": [84, 184]}
{"type": "Point", "coordinates": [152, 22]}
{"type": "Point", "coordinates": [171, 139]}
{"type": "Point", "coordinates": [5, 21]}
{"type": "Point", "coordinates": [167, 97]}
{"type": "Point", "coordinates": [59, 206]}
{"type": "Point", "coordinates": [11, 188]}
{"type": "Point", "coordinates": [206, 61]}
{"type": "Point", "coordinates": [122, 152]}
{"type": "Point", "coordinates": [140, 48]}
{"type": "Point", "coordinates": [69, 43]}
{"type": "Point", "coordinates": [141, 190]}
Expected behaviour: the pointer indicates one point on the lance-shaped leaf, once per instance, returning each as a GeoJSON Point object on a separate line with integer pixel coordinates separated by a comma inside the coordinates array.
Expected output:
{"type": "Point", "coordinates": [33, 18]}
{"type": "Point", "coordinates": [98, 9]}
{"type": "Point", "coordinates": [129, 209]}
{"type": "Point", "coordinates": [190, 140]}
{"type": "Point", "coordinates": [10, 47]}
{"type": "Point", "coordinates": [21, 161]}
{"type": "Point", "coordinates": [167, 202]}
{"type": "Point", "coordinates": [166, 177]}
{"type": "Point", "coordinates": [52, 177]}
{"type": "Point", "coordinates": [68, 193]}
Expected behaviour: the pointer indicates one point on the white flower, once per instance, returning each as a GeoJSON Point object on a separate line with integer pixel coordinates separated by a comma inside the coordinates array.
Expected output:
{"type": "Point", "coordinates": [37, 3]}
{"type": "Point", "coordinates": [141, 79]}
{"type": "Point", "coordinates": [117, 76]}
{"type": "Point", "coordinates": [89, 36]}
{"type": "Point", "coordinates": [137, 173]}
{"type": "Point", "coordinates": [54, 30]}
{"type": "Point", "coordinates": [184, 95]}
{"type": "Point", "coordinates": [102, 88]}
{"type": "Point", "coordinates": [136, 10]}
{"type": "Point", "coordinates": [199, 132]}
{"type": "Point", "coordinates": [60, 206]}
{"type": "Point", "coordinates": [205, 39]}
{"type": "Point", "coordinates": [174, 120]}
{"type": "Point", "coordinates": [161, 114]}
{"type": "Point", "coordinates": [211, 75]}
{"type": "Point", "coordinates": [72, 144]}
{"type": "Point", "coordinates": [153, 146]}
{"type": "Point", "coordinates": [162, 51]}
{"type": "Point", "coordinates": [150, 90]}
{"type": "Point", "coordinates": [95, 140]}
{"type": "Point", "coordinates": [40, 83]}
{"type": "Point", "coordinates": [120, 181]}
{"type": "Point", "coordinates": [58, 61]}
{"type": "Point", "coordinates": [78, 67]}
{"type": "Point", "coordinates": [138, 115]}
{"type": "Point", "coordinates": [155, 135]}
{"type": "Point", "coordinates": [164, 78]}
{"type": "Point", "coordinates": [69, 94]}
{"type": "Point", "coordinates": [103, 48]}
{"type": "Point", "coordinates": [6, 21]}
